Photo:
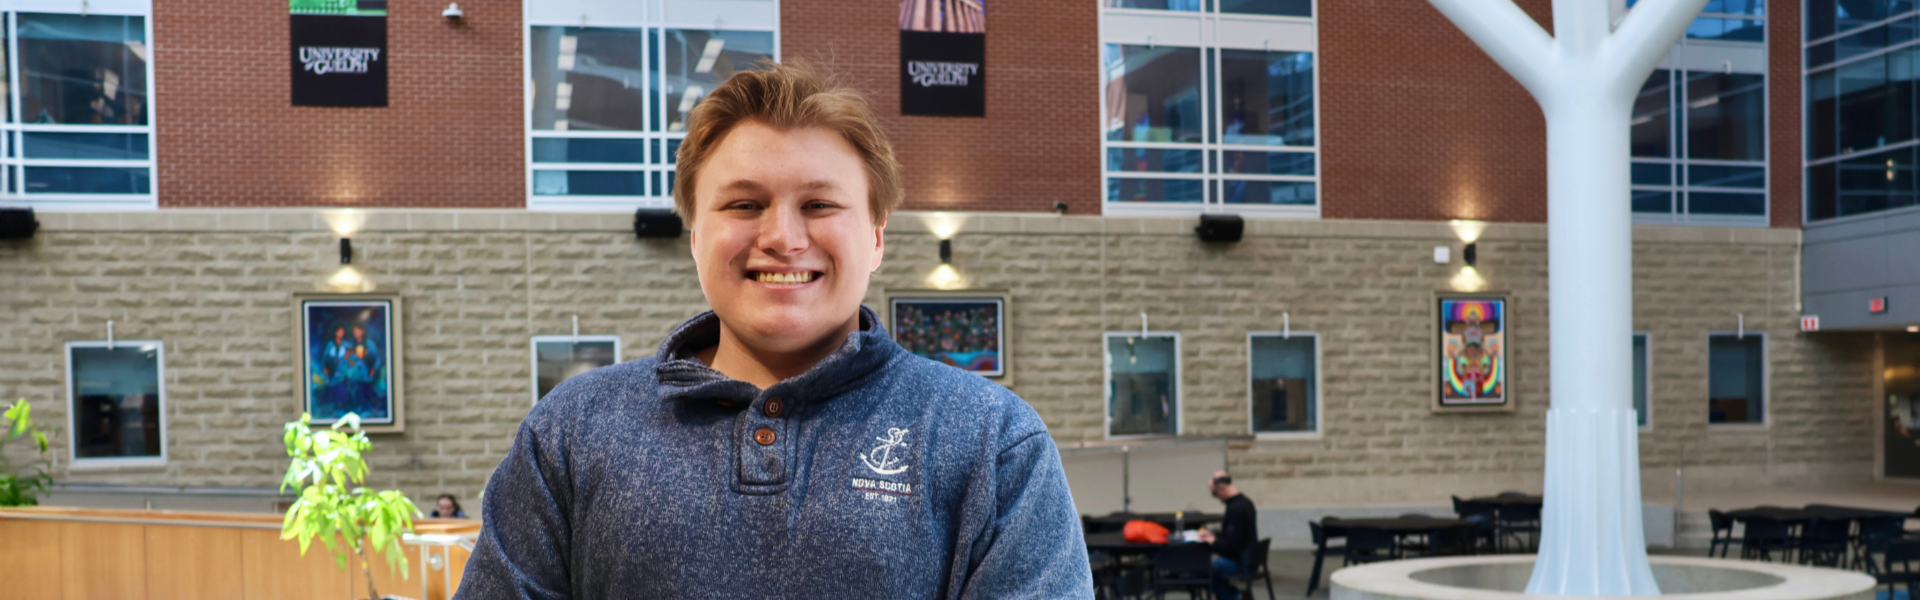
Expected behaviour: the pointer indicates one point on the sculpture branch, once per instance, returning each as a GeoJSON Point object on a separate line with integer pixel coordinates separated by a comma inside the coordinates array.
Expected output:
{"type": "Point", "coordinates": [1580, 26]}
{"type": "Point", "coordinates": [1647, 33]}
{"type": "Point", "coordinates": [1508, 35]}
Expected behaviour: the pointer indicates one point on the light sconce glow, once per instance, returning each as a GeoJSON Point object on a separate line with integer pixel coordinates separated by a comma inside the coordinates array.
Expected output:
{"type": "Point", "coordinates": [345, 223]}
{"type": "Point", "coordinates": [1468, 280]}
{"type": "Point", "coordinates": [1469, 231]}
{"type": "Point", "coordinates": [569, 46]}
{"type": "Point", "coordinates": [944, 277]}
{"type": "Point", "coordinates": [942, 225]}
{"type": "Point", "coordinates": [349, 279]}
{"type": "Point", "coordinates": [1913, 329]}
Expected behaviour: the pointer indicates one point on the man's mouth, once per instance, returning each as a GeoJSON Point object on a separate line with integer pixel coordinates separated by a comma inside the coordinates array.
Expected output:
{"type": "Point", "coordinates": [783, 278]}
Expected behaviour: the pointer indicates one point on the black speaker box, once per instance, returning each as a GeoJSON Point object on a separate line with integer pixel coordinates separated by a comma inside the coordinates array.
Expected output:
{"type": "Point", "coordinates": [656, 223]}
{"type": "Point", "coordinates": [17, 223]}
{"type": "Point", "coordinates": [1220, 228]}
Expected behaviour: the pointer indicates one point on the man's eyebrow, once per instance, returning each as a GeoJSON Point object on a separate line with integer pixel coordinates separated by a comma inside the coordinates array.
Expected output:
{"type": "Point", "coordinates": [743, 185]}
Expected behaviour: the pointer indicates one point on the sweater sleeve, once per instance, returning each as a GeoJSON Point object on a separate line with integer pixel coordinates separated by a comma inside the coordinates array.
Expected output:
{"type": "Point", "coordinates": [1033, 547]}
{"type": "Point", "coordinates": [525, 540]}
{"type": "Point", "coordinates": [1236, 531]}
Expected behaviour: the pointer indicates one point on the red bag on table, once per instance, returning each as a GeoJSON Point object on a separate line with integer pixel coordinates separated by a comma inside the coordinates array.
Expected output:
{"type": "Point", "coordinates": [1144, 532]}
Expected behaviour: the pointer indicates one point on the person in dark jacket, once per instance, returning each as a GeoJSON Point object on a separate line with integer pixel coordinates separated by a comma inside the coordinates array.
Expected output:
{"type": "Point", "coordinates": [1238, 530]}
{"type": "Point", "coordinates": [781, 445]}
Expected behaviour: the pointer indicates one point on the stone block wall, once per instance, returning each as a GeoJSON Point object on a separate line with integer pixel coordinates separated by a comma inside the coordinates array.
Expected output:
{"type": "Point", "coordinates": [215, 287]}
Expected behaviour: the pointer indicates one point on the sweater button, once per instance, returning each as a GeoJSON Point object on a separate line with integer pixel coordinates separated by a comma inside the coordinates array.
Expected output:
{"type": "Point", "coordinates": [775, 407]}
{"type": "Point", "coordinates": [763, 436]}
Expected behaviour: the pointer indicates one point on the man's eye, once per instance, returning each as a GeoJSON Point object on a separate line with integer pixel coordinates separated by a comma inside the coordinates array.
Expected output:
{"type": "Point", "coordinates": [743, 206]}
{"type": "Point", "coordinates": [819, 205]}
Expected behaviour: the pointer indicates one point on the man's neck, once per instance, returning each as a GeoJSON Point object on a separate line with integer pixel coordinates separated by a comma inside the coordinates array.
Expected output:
{"type": "Point", "coordinates": [763, 368]}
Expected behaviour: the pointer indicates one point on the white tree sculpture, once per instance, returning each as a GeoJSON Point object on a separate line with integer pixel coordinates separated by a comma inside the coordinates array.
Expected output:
{"type": "Point", "coordinates": [1585, 78]}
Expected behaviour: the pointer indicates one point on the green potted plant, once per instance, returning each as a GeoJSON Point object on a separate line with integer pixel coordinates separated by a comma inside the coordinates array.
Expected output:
{"type": "Point", "coordinates": [327, 469]}
{"type": "Point", "coordinates": [24, 489]}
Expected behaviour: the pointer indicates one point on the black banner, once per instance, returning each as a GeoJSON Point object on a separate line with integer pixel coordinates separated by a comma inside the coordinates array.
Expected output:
{"type": "Point", "coordinates": [943, 55]}
{"type": "Point", "coordinates": [340, 59]}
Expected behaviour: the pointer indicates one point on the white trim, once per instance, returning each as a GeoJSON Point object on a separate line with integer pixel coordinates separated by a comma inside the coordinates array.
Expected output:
{"type": "Point", "coordinates": [74, 461]}
{"type": "Point", "coordinates": [1319, 414]}
{"type": "Point", "coordinates": [533, 349]}
{"type": "Point", "coordinates": [1106, 384]}
{"type": "Point", "coordinates": [1766, 382]}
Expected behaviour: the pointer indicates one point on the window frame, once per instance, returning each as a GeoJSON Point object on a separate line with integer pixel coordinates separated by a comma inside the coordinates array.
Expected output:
{"type": "Point", "coordinates": [1646, 372]}
{"type": "Point", "coordinates": [533, 352]}
{"type": "Point", "coordinates": [1319, 376]}
{"type": "Point", "coordinates": [1207, 22]}
{"type": "Point", "coordinates": [1677, 62]}
{"type": "Point", "coordinates": [13, 161]}
{"type": "Point", "coordinates": [74, 461]}
{"type": "Point", "coordinates": [1766, 382]}
{"type": "Point", "coordinates": [650, 19]}
{"type": "Point", "coordinates": [1106, 385]}
{"type": "Point", "coordinates": [1807, 162]}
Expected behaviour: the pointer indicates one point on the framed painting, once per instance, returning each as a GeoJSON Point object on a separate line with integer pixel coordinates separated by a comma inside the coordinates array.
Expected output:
{"type": "Point", "coordinates": [1471, 336]}
{"type": "Point", "coordinates": [963, 329]}
{"type": "Point", "coordinates": [557, 358]}
{"type": "Point", "coordinates": [348, 352]}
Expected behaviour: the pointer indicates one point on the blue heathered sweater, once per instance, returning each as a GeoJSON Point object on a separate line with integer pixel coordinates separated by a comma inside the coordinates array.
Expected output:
{"type": "Point", "coordinates": [886, 475]}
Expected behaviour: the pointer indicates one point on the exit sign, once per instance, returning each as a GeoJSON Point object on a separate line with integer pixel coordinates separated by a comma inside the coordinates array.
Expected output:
{"type": "Point", "coordinates": [1810, 323]}
{"type": "Point", "coordinates": [1877, 305]}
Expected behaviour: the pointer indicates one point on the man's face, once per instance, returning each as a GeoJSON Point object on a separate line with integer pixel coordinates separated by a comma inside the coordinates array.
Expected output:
{"type": "Point", "coordinates": [783, 235]}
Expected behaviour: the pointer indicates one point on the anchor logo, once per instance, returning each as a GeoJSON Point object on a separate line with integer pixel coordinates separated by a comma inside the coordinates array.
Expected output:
{"type": "Point", "coordinates": [881, 458]}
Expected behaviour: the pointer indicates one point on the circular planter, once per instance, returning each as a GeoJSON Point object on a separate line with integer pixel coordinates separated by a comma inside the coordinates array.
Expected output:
{"type": "Point", "coordinates": [1680, 578]}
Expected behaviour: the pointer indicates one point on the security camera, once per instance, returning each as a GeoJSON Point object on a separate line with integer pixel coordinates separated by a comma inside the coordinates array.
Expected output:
{"type": "Point", "coordinates": [453, 11]}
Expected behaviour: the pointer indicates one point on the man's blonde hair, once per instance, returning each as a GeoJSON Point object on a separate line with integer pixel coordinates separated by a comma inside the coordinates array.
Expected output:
{"type": "Point", "coordinates": [786, 96]}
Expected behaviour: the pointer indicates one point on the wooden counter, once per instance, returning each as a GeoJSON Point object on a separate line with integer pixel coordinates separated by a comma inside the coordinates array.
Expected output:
{"type": "Point", "coordinates": [82, 553]}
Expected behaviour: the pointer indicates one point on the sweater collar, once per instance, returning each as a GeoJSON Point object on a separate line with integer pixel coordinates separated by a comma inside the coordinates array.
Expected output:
{"type": "Point", "coordinates": [683, 376]}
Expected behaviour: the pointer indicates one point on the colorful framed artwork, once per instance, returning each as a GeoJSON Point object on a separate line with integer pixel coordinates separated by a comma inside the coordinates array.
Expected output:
{"type": "Point", "coordinates": [1471, 335]}
{"type": "Point", "coordinates": [348, 349]}
{"type": "Point", "coordinates": [964, 329]}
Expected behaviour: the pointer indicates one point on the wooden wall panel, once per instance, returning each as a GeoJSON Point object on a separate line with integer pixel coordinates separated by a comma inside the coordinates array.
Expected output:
{"type": "Point", "coordinates": [457, 562]}
{"type": "Point", "coordinates": [101, 561]}
{"type": "Point", "coordinates": [389, 579]}
{"type": "Point", "coordinates": [274, 570]}
{"type": "Point", "coordinates": [30, 553]}
{"type": "Point", "coordinates": [193, 563]}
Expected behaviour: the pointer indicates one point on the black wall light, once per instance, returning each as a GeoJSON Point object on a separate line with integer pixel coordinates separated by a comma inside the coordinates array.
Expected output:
{"type": "Point", "coordinates": [946, 252]}
{"type": "Point", "coordinates": [1220, 228]}
{"type": "Point", "coordinates": [1470, 253]}
{"type": "Point", "coordinates": [656, 223]}
{"type": "Point", "coordinates": [17, 224]}
{"type": "Point", "coordinates": [346, 251]}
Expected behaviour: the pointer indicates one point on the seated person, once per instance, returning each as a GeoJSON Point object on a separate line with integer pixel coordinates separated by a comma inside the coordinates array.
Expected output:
{"type": "Point", "coordinates": [1237, 533]}
{"type": "Point", "coordinates": [448, 508]}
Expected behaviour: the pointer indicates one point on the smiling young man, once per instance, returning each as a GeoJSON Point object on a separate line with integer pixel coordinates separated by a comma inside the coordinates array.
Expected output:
{"type": "Point", "coordinates": [781, 445]}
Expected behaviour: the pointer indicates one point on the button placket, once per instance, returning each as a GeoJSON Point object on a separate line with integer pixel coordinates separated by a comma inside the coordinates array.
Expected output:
{"type": "Point", "coordinates": [765, 450]}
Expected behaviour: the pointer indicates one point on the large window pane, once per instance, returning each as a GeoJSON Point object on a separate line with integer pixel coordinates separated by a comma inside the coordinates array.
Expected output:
{"type": "Point", "coordinates": [1266, 163]}
{"type": "Point", "coordinates": [1152, 94]}
{"type": "Point", "coordinates": [1640, 382]}
{"type": "Point", "coordinates": [1736, 379]}
{"type": "Point", "coordinates": [1652, 114]}
{"type": "Point", "coordinates": [1126, 189]}
{"type": "Point", "coordinates": [588, 150]}
{"type": "Point", "coordinates": [96, 146]}
{"type": "Point", "coordinates": [589, 183]}
{"type": "Point", "coordinates": [89, 180]}
{"type": "Point", "coordinates": [1281, 193]}
{"type": "Point", "coordinates": [1754, 177]}
{"type": "Point", "coordinates": [697, 60]}
{"type": "Point", "coordinates": [1651, 173]}
{"type": "Point", "coordinates": [1726, 116]}
{"type": "Point", "coordinates": [1285, 8]}
{"type": "Point", "coordinates": [1266, 98]}
{"type": "Point", "coordinates": [587, 78]}
{"type": "Point", "coordinates": [1284, 372]}
{"type": "Point", "coordinates": [1727, 30]}
{"type": "Point", "coordinates": [1874, 182]}
{"type": "Point", "coordinates": [116, 398]}
{"type": "Point", "coordinates": [1154, 160]}
{"type": "Point", "coordinates": [1143, 375]}
{"type": "Point", "coordinates": [1875, 102]}
{"type": "Point", "coordinates": [1653, 201]}
{"type": "Point", "coordinates": [83, 69]}
{"type": "Point", "coordinates": [1721, 203]}
{"type": "Point", "coordinates": [1884, 36]}
{"type": "Point", "coordinates": [1822, 99]}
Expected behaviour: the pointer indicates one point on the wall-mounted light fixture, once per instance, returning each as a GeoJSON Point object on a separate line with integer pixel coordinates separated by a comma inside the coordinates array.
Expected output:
{"type": "Point", "coordinates": [1470, 254]}
{"type": "Point", "coordinates": [946, 251]}
{"type": "Point", "coordinates": [453, 11]}
{"type": "Point", "coordinates": [346, 251]}
{"type": "Point", "coordinates": [17, 224]}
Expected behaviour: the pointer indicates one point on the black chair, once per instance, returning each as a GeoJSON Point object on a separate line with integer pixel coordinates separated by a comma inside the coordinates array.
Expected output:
{"type": "Point", "coordinates": [1875, 534]}
{"type": "Point", "coordinates": [1904, 553]}
{"type": "Point", "coordinates": [1823, 542]}
{"type": "Point", "coordinates": [1408, 543]}
{"type": "Point", "coordinates": [1722, 533]}
{"type": "Point", "coordinates": [1320, 552]}
{"type": "Point", "coordinates": [1518, 523]}
{"type": "Point", "coordinates": [1483, 517]}
{"type": "Point", "coordinates": [1182, 566]}
{"type": "Point", "coordinates": [1254, 566]}
{"type": "Point", "coordinates": [1367, 545]}
{"type": "Point", "coordinates": [1453, 541]}
{"type": "Point", "coordinates": [1511, 495]}
{"type": "Point", "coordinates": [1764, 536]}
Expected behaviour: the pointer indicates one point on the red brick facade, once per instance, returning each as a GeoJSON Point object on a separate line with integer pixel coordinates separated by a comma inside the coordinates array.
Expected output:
{"type": "Point", "coordinates": [452, 135]}
{"type": "Point", "coordinates": [1784, 113]}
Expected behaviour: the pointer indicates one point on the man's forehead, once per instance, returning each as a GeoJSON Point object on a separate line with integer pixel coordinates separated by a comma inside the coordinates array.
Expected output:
{"type": "Point", "coordinates": [750, 184]}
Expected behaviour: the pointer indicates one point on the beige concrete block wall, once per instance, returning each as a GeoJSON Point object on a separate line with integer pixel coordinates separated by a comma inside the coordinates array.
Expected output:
{"type": "Point", "coordinates": [215, 285]}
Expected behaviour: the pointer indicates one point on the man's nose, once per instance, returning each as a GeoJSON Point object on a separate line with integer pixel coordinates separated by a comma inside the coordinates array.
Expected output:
{"type": "Point", "coordinates": [783, 231]}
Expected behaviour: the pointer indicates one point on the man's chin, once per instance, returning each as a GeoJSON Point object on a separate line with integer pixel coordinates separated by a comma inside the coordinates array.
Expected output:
{"type": "Point", "coordinates": [783, 331]}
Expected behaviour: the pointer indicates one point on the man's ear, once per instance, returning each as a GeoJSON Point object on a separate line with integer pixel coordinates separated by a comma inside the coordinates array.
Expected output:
{"type": "Point", "coordinates": [879, 244]}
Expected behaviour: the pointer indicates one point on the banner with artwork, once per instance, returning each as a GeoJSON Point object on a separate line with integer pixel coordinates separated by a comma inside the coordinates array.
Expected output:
{"type": "Point", "coordinates": [1473, 351]}
{"type": "Point", "coordinates": [339, 52]}
{"type": "Point", "coordinates": [943, 50]}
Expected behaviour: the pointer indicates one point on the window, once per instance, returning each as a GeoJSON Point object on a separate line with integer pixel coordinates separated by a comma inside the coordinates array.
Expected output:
{"type": "Point", "coordinates": [1642, 378]}
{"type": "Point", "coordinates": [557, 358]}
{"type": "Point", "coordinates": [78, 130]}
{"type": "Point", "coordinates": [1284, 373]}
{"type": "Point", "coordinates": [1860, 111]}
{"type": "Point", "coordinates": [117, 403]}
{"type": "Point", "coordinates": [1736, 378]}
{"type": "Point", "coordinates": [1143, 384]}
{"type": "Point", "coordinates": [610, 98]}
{"type": "Point", "coordinates": [1699, 137]}
{"type": "Point", "coordinates": [1205, 119]}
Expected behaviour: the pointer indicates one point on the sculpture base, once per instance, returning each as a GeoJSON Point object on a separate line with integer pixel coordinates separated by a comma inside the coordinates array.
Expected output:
{"type": "Point", "coordinates": [1505, 578]}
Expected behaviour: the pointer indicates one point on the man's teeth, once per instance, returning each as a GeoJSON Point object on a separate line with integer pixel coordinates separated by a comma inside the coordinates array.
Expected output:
{"type": "Point", "coordinates": [784, 278]}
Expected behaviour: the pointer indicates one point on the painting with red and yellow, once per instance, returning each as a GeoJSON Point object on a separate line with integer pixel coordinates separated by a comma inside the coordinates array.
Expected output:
{"type": "Point", "coordinates": [1473, 351]}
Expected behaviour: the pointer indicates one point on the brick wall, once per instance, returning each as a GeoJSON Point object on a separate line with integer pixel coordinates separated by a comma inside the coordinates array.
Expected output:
{"type": "Point", "coordinates": [1784, 113]}
{"type": "Point", "coordinates": [1039, 142]}
{"type": "Point", "coordinates": [452, 134]}
{"type": "Point", "coordinates": [215, 286]}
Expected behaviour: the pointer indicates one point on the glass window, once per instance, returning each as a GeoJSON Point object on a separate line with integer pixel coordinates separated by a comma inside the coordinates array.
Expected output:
{"type": "Point", "coordinates": [1266, 98]}
{"type": "Point", "coordinates": [557, 358]}
{"type": "Point", "coordinates": [1153, 94]}
{"type": "Point", "coordinates": [1285, 373]}
{"type": "Point", "coordinates": [82, 135]}
{"type": "Point", "coordinates": [1642, 379]}
{"type": "Point", "coordinates": [83, 69]}
{"type": "Point", "coordinates": [1143, 384]}
{"type": "Point", "coordinates": [1736, 378]}
{"type": "Point", "coordinates": [587, 79]}
{"type": "Point", "coordinates": [1862, 115]}
{"type": "Point", "coordinates": [1652, 125]}
{"type": "Point", "coordinates": [698, 60]}
{"type": "Point", "coordinates": [1283, 8]}
{"type": "Point", "coordinates": [118, 402]}
{"type": "Point", "coordinates": [1722, 127]}
{"type": "Point", "coordinates": [1726, 116]}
